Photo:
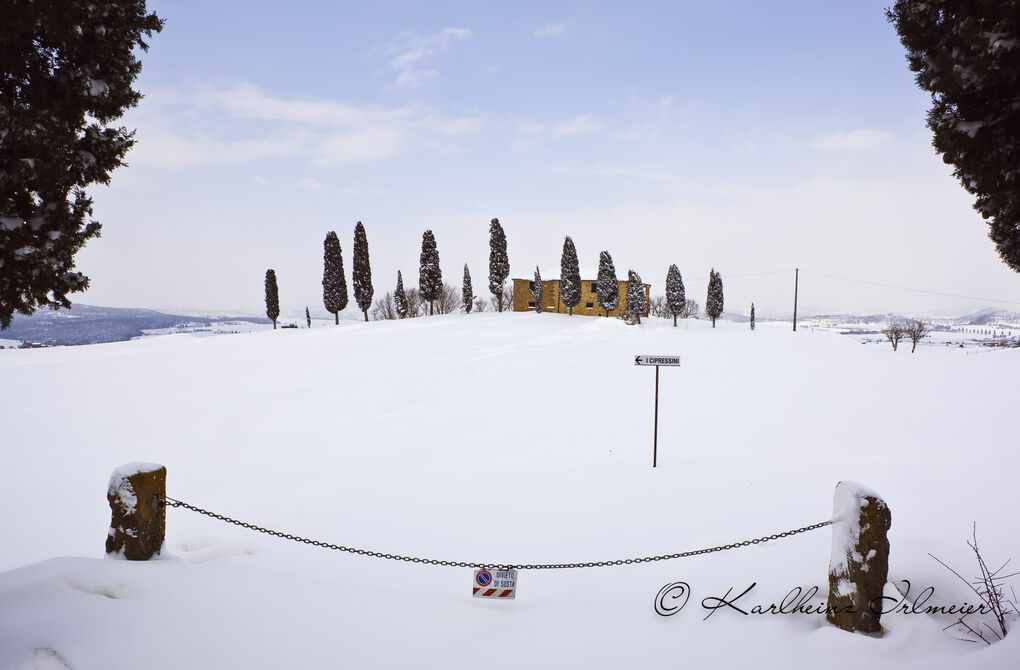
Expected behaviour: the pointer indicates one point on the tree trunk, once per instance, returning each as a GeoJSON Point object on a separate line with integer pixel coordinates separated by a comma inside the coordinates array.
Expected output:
{"type": "Point", "coordinates": [366, 315]}
{"type": "Point", "coordinates": [674, 320]}
{"type": "Point", "coordinates": [913, 346]}
{"type": "Point", "coordinates": [337, 315]}
{"type": "Point", "coordinates": [274, 324]}
{"type": "Point", "coordinates": [713, 322]}
{"type": "Point", "coordinates": [570, 310]}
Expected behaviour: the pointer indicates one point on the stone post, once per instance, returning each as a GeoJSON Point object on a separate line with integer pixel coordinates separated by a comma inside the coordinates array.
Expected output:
{"type": "Point", "coordinates": [136, 494]}
{"type": "Point", "coordinates": [859, 563]}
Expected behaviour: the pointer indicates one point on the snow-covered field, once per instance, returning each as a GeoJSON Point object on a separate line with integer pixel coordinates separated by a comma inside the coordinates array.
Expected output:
{"type": "Point", "coordinates": [514, 438]}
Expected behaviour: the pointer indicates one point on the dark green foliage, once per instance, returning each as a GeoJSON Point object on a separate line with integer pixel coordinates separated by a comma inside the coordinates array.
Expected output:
{"type": "Point", "coordinates": [499, 263]}
{"type": "Point", "coordinates": [637, 301]}
{"type": "Point", "coordinates": [361, 277]}
{"type": "Point", "coordinates": [570, 276]}
{"type": "Point", "coordinates": [66, 71]}
{"type": "Point", "coordinates": [676, 297]}
{"type": "Point", "coordinates": [752, 316]}
{"type": "Point", "coordinates": [430, 277]}
{"type": "Point", "coordinates": [536, 291]}
{"type": "Point", "coordinates": [400, 298]}
{"type": "Point", "coordinates": [714, 300]}
{"type": "Point", "coordinates": [308, 316]}
{"type": "Point", "coordinates": [466, 292]}
{"type": "Point", "coordinates": [272, 297]}
{"type": "Point", "coordinates": [334, 286]}
{"type": "Point", "coordinates": [607, 289]}
{"type": "Point", "coordinates": [966, 53]}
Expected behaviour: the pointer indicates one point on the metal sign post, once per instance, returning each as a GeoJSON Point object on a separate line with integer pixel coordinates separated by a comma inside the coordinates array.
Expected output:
{"type": "Point", "coordinates": [673, 361]}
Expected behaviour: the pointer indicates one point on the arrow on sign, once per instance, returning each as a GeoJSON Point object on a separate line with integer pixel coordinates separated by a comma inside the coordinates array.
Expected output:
{"type": "Point", "coordinates": [657, 360]}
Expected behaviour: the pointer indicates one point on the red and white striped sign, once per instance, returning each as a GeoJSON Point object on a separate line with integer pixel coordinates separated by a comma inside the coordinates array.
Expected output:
{"type": "Point", "coordinates": [494, 583]}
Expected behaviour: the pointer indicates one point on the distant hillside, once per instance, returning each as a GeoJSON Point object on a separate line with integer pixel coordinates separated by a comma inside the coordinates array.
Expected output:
{"type": "Point", "coordinates": [86, 324]}
{"type": "Point", "coordinates": [990, 316]}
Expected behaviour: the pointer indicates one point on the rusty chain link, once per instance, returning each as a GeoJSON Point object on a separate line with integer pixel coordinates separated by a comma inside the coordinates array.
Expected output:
{"type": "Point", "coordinates": [468, 564]}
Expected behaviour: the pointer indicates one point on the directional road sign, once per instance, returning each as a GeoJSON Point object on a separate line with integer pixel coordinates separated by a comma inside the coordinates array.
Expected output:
{"type": "Point", "coordinates": [656, 360]}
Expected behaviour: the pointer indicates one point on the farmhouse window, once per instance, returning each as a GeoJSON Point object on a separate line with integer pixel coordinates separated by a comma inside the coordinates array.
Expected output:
{"type": "Point", "coordinates": [594, 288]}
{"type": "Point", "coordinates": [589, 305]}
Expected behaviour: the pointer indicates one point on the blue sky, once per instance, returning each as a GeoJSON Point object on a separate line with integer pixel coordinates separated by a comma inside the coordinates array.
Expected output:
{"type": "Point", "coordinates": [745, 136]}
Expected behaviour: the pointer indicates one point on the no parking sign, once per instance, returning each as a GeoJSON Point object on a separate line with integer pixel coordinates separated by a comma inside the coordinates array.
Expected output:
{"type": "Point", "coordinates": [494, 583]}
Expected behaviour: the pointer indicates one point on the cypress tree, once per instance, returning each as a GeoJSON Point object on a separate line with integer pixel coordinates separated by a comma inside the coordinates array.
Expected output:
{"type": "Point", "coordinates": [499, 264]}
{"type": "Point", "coordinates": [570, 276]}
{"type": "Point", "coordinates": [334, 286]}
{"type": "Point", "coordinates": [676, 297]}
{"type": "Point", "coordinates": [308, 316]}
{"type": "Point", "coordinates": [272, 297]}
{"type": "Point", "coordinates": [637, 303]}
{"type": "Point", "coordinates": [536, 291]}
{"type": "Point", "coordinates": [714, 300]}
{"type": "Point", "coordinates": [67, 71]}
{"type": "Point", "coordinates": [361, 277]}
{"type": "Point", "coordinates": [467, 293]}
{"type": "Point", "coordinates": [607, 289]}
{"type": "Point", "coordinates": [967, 56]}
{"type": "Point", "coordinates": [400, 298]}
{"type": "Point", "coordinates": [430, 277]}
{"type": "Point", "coordinates": [752, 316]}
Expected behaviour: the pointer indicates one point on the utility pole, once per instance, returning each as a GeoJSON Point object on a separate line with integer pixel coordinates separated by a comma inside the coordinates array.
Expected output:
{"type": "Point", "coordinates": [796, 281]}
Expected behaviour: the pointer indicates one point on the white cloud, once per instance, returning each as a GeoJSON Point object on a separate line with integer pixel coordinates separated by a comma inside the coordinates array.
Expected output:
{"type": "Point", "coordinates": [310, 185]}
{"type": "Point", "coordinates": [529, 128]}
{"type": "Point", "coordinates": [551, 29]}
{"type": "Point", "coordinates": [414, 78]}
{"type": "Point", "coordinates": [579, 125]}
{"type": "Point", "coordinates": [410, 49]}
{"type": "Point", "coordinates": [637, 131]}
{"type": "Point", "coordinates": [242, 123]}
{"type": "Point", "coordinates": [853, 140]}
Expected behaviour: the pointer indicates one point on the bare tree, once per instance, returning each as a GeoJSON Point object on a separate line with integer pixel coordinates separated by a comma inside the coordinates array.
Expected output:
{"type": "Point", "coordinates": [385, 308]}
{"type": "Point", "coordinates": [657, 307]}
{"type": "Point", "coordinates": [690, 310]}
{"type": "Point", "coordinates": [416, 306]}
{"type": "Point", "coordinates": [916, 330]}
{"type": "Point", "coordinates": [508, 299]}
{"type": "Point", "coordinates": [448, 299]}
{"type": "Point", "coordinates": [481, 304]}
{"type": "Point", "coordinates": [894, 331]}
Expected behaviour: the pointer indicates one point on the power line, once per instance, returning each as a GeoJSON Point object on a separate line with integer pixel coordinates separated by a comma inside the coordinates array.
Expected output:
{"type": "Point", "coordinates": [906, 288]}
{"type": "Point", "coordinates": [752, 274]}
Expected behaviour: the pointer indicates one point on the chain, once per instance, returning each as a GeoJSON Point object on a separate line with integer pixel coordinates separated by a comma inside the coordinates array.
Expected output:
{"type": "Point", "coordinates": [468, 564]}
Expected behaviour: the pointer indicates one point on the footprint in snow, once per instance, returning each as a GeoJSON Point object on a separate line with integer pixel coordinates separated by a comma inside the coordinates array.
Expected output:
{"type": "Point", "coordinates": [96, 588]}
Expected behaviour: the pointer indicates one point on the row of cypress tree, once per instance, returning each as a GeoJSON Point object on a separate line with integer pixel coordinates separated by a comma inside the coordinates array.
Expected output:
{"type": "Point", "coordinates": [430, 276]}
{"type": "Point", "coordinates": [430, 280]}
{"type": "Point", "coordinates": [607, 291]}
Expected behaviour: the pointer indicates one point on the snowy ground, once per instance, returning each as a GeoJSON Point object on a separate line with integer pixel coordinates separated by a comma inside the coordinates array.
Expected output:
{"type": "Point", "coordinates": [511, 438]}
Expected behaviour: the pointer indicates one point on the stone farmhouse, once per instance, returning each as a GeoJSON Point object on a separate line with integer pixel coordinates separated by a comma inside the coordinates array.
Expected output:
{"type": "Point", "coordinates": [524, 299]}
